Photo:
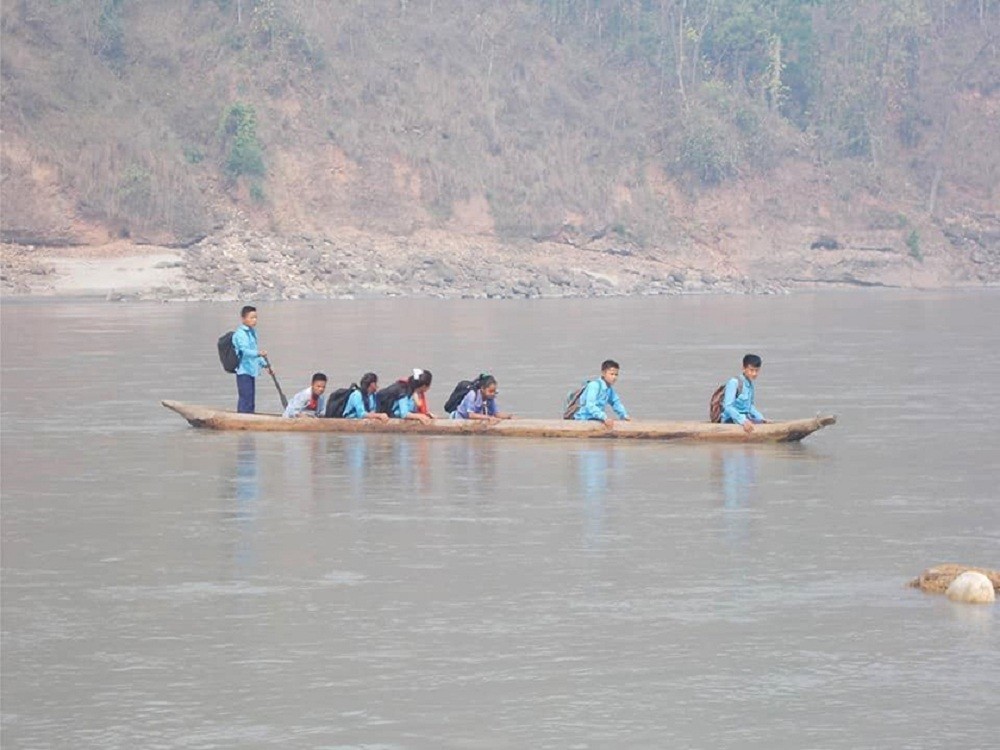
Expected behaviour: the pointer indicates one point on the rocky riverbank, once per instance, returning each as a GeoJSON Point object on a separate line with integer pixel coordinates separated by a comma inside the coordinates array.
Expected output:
{"type": "Point", "coordinates": [243, 263]}
{"type": "Point", "coordinates": [240, 264]}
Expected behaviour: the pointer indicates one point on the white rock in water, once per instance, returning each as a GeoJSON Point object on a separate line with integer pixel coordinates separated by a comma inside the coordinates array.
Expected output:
{"type": "Point", "coordinates": [971, 587]}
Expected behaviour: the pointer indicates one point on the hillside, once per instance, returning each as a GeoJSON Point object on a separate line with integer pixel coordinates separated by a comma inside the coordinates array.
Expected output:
{"type": "Point", "coordinates": [348, 144]}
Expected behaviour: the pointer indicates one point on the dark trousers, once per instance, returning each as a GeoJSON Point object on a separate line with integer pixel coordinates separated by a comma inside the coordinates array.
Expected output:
{"type": "Point", "coordinates": [246, 387]}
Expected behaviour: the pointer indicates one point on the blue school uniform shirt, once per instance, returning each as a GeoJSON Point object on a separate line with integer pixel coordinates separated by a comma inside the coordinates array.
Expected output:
{"type": "Point", "coordinates": [595, 397]}
{"type": "Point", "coordinates": [297, 404]}
{"type": "Point", "coordinates": [476, 404]}
{"type": "Point", "coordinates": [403, 406]}
{"type": "Point", "coordinates": [359, 404]}
{"type": "Point", "coordinates": [736, 408]}
{"type": "Point", "coordinates": [245, 344]}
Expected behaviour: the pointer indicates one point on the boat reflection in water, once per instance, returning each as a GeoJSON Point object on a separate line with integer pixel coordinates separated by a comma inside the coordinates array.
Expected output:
{"type": "Point", "coordinates": [355, 453]}
{"type": "Point", "coordinates": [734, 471]}
{"type": "Point", "coordinates": [412, 462]}
{"type": "Point", "coordinates": [246, 481]}
{"type": "Point", "coordinates": [734, 476]}
{"type": "Point", "coordinates": [594, 471]}
{"type": "Point", "coordinates": [246, 492]}
{"type": "Point", "coordinates": [472, 463]}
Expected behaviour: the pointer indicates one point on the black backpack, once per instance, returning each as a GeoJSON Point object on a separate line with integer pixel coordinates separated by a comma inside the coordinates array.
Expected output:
{"type": "Point", "coordinates": [228, 356]}
{"type": "Point", "coordinates": [460, 392]}
{"type": "Point", "coordinates": [337, 402]}
{"type": "Point", "coordinates": [386, 398]}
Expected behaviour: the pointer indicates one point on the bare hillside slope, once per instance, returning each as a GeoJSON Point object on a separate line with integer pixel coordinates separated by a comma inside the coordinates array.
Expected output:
{"type": "Point", "coordinates": [741, 141]}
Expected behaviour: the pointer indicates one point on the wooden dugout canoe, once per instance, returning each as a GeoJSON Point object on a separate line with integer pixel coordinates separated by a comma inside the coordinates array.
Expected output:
{"type": "Point", "coordinates": [774, 432]}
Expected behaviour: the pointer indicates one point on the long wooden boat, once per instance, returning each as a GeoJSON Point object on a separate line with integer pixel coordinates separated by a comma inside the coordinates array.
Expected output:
{"type": "Point", "coordinates": [773, 432]}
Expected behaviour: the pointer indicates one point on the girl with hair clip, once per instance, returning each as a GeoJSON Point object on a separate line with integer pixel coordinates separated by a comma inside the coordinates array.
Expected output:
{"type": "Point", "coordinates": [413, 404]}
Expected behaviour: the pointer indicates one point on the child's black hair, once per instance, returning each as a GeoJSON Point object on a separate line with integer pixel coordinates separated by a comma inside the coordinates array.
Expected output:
{"type": "Point", "coordinates": [608, 364]}
{"type": "Point", "coordinates": [416, 381]}
{"type": "Point", "coordinates": [752, 360]}
{"type": "Point", "coordinates": [247, 309]}
{"type": "Point", "coordinates": [318, 376]}
{"type": "Point", "coordinates": [485, 381]}
{"type": "Point", "coordinates": [367, 379]}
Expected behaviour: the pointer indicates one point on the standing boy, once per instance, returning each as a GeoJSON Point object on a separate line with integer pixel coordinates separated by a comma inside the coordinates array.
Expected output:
{"type": "Point", "coordinates": [252, 360]}
{"type": "Point", "coordinates": [309, 402]}
{"type": "Point", "coordinates": [738, 399]}
{"type": "Point", "coordinates": [599, 394]}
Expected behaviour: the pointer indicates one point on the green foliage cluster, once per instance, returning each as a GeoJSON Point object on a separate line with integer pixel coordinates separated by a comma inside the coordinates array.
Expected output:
{"type": "Point", "coordinates": [244, 154]}
{"type": "Point", "coordinates": [271, 30]}
{"type": "Point", "coordinates": [913, 243]}
{"type": "Point", "coordinates": [111, 34]}
{"type": "Point", "coordinates": [135, 189]}
{"type": "Point", "coordinates": [705, 152]}
{"type": "Point", "coordinates": [193, 154]}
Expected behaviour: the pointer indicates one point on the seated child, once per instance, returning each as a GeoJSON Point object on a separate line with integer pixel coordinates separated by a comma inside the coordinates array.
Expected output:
{"type": "Point", "coordinates": [361, 403]}
{"type": "Point", "coordinates": [309, 402]}
{"type": "Point", "coordinates": [413, 403]}
{"type": "Point", "coordinates": [481, 403]}
{"type": "Point", "coordinates": [738, 399]}
{"type": "Point", "coordinates": [599, 394]}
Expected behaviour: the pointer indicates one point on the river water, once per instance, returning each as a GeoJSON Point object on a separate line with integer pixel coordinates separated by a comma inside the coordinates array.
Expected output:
{"type": "Point", "coordinates": [165, 587]}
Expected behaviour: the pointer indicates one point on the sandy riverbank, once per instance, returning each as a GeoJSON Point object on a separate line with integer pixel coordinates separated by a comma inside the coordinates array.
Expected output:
{"type": "Point", "coordinates": [114, 271]}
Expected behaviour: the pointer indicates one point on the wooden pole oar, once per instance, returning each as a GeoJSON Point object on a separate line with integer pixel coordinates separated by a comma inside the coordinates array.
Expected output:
{"type": "Point", "coordinates": [281, 393]}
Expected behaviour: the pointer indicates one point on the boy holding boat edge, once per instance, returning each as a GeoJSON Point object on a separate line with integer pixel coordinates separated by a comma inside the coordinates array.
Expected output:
{"type": "Point", "coordinates": [309, 402]}
{"type": "Point", "coordinates": [599, 394]}
{"type": "Point", "coordinates": [738, 399]}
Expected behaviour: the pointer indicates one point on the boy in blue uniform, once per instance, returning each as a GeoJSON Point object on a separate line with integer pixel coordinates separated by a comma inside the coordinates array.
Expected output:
{"type": "Point", "coordinates": [599, 394]}
{"type": "Point", "coordinates": [252, 360]}
{"type": "Point", "coordinates": [361, 403]}
{"type": "Point", "coordinates": [738, 399]}
{"type": "Point", "coordinates": [309, 402]}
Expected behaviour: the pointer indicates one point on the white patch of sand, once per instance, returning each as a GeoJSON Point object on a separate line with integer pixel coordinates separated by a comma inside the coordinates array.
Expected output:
{"type": "Point", "coordinates": [77, 275]}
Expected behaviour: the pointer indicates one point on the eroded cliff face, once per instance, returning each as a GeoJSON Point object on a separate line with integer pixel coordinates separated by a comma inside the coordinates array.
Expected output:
{"type": "Point", "coordinates": [500, 151]}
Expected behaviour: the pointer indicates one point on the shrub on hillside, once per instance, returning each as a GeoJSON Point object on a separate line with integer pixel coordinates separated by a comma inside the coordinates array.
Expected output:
{"type": "Point", "coordinates": [244, 154]}
{"type": "Point", "coordinates": [705, 151]}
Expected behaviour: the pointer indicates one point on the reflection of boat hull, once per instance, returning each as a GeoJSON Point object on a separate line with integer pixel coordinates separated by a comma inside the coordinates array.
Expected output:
{"type": "Point", "coordinates": [776, 432]}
